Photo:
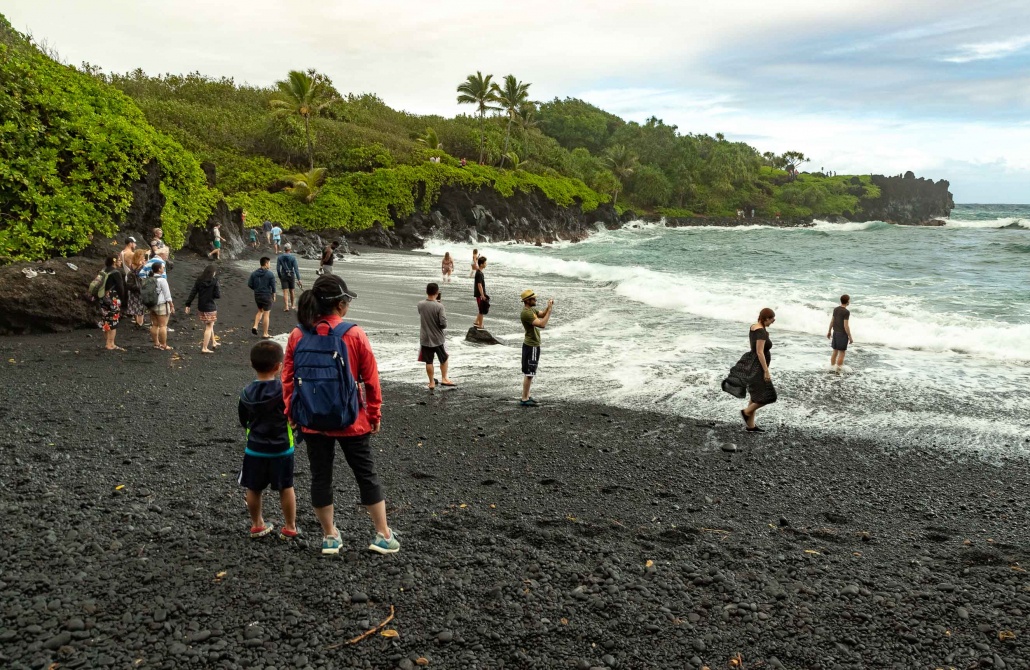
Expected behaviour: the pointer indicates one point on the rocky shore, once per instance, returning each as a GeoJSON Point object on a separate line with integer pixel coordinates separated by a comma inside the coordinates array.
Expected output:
{"type": "Point", "coordinates": [568, 536]}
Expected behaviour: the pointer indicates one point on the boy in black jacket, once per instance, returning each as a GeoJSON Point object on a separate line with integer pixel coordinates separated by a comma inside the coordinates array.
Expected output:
{"type": "Point", "coordinates": [268, 459]}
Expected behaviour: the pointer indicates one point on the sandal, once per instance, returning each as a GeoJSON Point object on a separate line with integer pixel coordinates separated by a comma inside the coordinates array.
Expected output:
{"type": "Point", "coordinates": [261, 531]}
{"type": "Point", "coordinates": [756, 429]}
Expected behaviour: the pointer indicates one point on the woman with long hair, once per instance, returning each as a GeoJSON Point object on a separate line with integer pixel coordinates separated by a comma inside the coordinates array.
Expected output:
{"type": "Point", "coordinates": [111, 303]}
{"type": "Point", "coordinates": [162, 310]}
{"type": "Point", "coordinates": [447, 267]}
{"type": "Point", "coordinates": [134, 285]}
{"type": "Point", "coordinates": [320, 309]}
{"type": "Point", "coordinates": [206, 290]}
{"type": "Point", "coordinates": [475, 262]}
{"type": "Point", "coordinates": [760, 386]}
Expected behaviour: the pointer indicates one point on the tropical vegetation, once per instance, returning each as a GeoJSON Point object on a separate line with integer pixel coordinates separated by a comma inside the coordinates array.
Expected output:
{"type": "Point", "coordinates": [303, 153]}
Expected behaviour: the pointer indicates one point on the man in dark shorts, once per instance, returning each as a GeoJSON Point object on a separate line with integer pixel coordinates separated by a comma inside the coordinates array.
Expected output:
{"type": "Point", "coordinates": [266, 226]}
{"type": "Point", "coordinates": [479, 293]}
{"type": "Point", "coordinates": [288, 269]}
{"type": "Point", "coordinates": [532, 320]}
{"type": "Point", "coordinates": [431, 335]}
{"type": "Point", "coordinates": [839, 332]}
{"type": "Point", "coordinates": [325, 266]}
{"type": "Point", "coordinates": [262, 283]}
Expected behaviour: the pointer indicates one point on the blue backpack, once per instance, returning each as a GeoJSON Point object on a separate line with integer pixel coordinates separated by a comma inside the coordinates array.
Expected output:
{"type": "Point", "coordinates": [325, 393]}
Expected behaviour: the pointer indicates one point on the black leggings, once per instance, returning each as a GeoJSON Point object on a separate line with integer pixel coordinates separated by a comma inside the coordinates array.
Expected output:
{"type": "Point", "coordinates": [358, 452]}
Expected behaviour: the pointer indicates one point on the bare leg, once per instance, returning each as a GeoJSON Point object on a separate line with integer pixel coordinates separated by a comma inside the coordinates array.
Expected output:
{"type": "Point", "coordinates": [288, 501]}
{"type": "Point", "coordinates": [155, 327]}
{"type": "Point", "coordinates": [325, 519]}
{"type": "Point", "coordinates": [254, 509]}
{"type": "Point", "coordinates": [286, 300]}
{"type": "Point", "coordinates": [209, 331]}
{"type": "Point", "coordinates": [109, 339]}
{"type": "Point", "coordinates": [833, 358]}
{"type": "Point", "coordinates": [378, 514]}
{"type": "Point", "coordinates": [162, 332]}
{"type": "Point", "coordinates": [431, 373]}
{"type": "Point", "coordinates": [257, 319]}
{"type": "Point", "coordinates": [266, 317]}
{"type": "Point", "coordinates": [749, 414]}
{"type": "Point", "coordinates": [293, 299]}
{"type": "Point", "coordinates": [443, 372]}
{"type": "Point", "coordinates": [526, 383]}
{"type": "Point", "coordinates": [840, 358]}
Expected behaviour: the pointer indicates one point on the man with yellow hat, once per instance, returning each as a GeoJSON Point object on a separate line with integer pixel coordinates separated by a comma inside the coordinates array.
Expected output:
{"type": "Point", "coordinates": [532, 320]}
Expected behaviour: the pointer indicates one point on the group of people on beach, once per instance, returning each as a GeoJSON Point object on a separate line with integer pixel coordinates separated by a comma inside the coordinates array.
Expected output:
{"type": "Point", "coordinates": [751, 375]}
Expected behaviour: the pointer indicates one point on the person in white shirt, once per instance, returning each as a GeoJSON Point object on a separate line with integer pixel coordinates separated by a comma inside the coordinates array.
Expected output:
{"type": "Point", "coordinates": [164, 309]}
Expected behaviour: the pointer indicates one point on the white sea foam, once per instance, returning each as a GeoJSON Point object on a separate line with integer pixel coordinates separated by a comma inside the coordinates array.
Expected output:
{"type": "Point", "coordinates": [849, 227]}
{"type": "Point", "coordinates": [1004, 222]}
{"type": "Point", "coordinates": [895, 322]}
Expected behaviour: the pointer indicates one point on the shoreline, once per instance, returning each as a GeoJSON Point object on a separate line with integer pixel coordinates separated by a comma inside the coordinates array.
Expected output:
{"type": "Point", "coordinates": [571, 535]}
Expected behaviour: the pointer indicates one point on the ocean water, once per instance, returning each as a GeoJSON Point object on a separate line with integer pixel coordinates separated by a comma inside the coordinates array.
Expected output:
{"type": "Point", "coordinates": [653, 317]}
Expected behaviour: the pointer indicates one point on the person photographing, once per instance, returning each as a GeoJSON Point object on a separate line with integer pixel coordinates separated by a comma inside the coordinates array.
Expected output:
{"type": "Point", "coordinates": [533, 321]}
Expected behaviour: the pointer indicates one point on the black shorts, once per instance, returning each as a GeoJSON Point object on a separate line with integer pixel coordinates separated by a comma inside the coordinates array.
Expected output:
{"type": "Point", "coordinates": [429, 352]}
{"type": "Point", "coordinates": [259, 473]}
{"type": "Point", "coordinates": [840, 340]}
{"type": "Point", "coordinates": [263, 302]}
{"type": "Point", "coordinates": [288, 283]}
{"type": "Point", "coordinates": [530, 359]}
{"type": "Point", "coordinates": [484, 305]}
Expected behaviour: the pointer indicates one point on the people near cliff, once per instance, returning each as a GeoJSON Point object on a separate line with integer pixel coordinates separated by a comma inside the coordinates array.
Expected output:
{"type": "Point", "coordinates": [134, 285]}
{"type": "Point", "coordinates": [740, 214]}
{"type": "Point", "coordinates": [262, 283]}
{"type": "Point", "coordinates": [113, 297]}
{"type": "Point", "coordinates": [533, 321]}
{"type": "Point", "coordinates": [475, 263]}
{"type": "Point", "coordinates": [479, 291]}
{"type": "Point", "coordinates": [252, 238]}
{"type": "Point", "coordinates": [337, 416]}
{"type": "Point", "coordinates": [162, 309]}
{"type": "Point", "coordinates": [277, 237]}
{"type": "Point", "coordinates": [268, 459]}
{"type": "Point", "coordinates": [266, 226]}
{"type": "Point", "coordinates": [447, 268]}
{"type": "Point", "coordinates": [127, 253]}
{"type": "Point", "coordinates": [325, 265]}
{"type": "Point", "coordinates": [760, 384]}
{"type": "Point", "coordinates": [839, 333]}
{"type": "Point", "coordinates": [464, 162]}
{"type": "Point", "coordinates": [752, 212]}
{"type": "Point", "coordinates": [158, 248]}
{"type": "Point", "coordinates": [216, 243]}
{"type": "Point", "coordinates": [206, 290]}
{"type": "Point", "coordinates": [431, 339]}
{"type": "Point", "coordinates": [288, 269]}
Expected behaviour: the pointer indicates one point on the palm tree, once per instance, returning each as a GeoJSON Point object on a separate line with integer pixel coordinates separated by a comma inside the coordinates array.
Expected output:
{"type": "Point", "coordinates": [526, 120]}
{"type": "Point", "coordinates": [430, 140]}
{"type": "Point", "coordinates": [304, 94]}
{"type": "Point", "coordinates": [513, 95]}
{"type": "Point", "coordinates": [621, 161]}
{"type": "Point", "coordinates": [306, 185]}
{"type": "Point", "coordinates": [513, 158]}
{"type": "Point", "coordinates": [476, 90]}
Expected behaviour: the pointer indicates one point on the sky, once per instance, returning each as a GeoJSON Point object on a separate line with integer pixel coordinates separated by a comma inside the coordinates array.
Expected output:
{"type": "Point", "coordinates": [938, 87]}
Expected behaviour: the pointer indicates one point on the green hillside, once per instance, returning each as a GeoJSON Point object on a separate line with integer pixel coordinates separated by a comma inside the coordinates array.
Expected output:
{"type": "Point", "coordinates": [73, 141]}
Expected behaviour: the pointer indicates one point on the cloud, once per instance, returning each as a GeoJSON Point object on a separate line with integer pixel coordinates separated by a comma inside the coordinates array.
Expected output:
{"type": "Point", "coordinates": [862, 85]}
{"type": "Point", "coordinates": [968, 53]}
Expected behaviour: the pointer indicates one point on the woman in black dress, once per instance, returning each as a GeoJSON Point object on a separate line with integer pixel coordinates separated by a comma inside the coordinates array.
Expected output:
{"type": "Point", "coordinates": [760, 386]}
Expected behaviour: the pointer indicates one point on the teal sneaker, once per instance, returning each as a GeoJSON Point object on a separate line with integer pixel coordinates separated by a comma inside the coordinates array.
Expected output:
{"type": "Point", "coordinates": [383, 546]}
{"type": "Point", "coordinates": [331, 544]}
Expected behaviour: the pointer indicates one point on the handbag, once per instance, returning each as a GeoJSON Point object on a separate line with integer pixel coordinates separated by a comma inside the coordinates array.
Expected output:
{"type": "Point", "coordinates": [742, 374]}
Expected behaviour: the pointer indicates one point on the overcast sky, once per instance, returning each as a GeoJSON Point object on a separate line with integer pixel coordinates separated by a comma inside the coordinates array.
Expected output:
{"type": "Point", "coordinates": [939, 87]}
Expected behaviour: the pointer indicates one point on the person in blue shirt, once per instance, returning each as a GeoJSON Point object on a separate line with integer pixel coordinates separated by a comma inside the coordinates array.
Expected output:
{"type": "Point", "coordinates": [262, 283]}
{"type": "Point", "coordinates": [277, 237]}
{"type": "Point", "coordinates": [268, 458]}
{"type": "Point", "coordinates": [288, 269]}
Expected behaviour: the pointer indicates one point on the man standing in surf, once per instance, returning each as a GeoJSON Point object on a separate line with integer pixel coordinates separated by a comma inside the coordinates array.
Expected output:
{"type": "Point", "coordinates": [532, 321]}
{"type": "Point", "coordinates": [839, 333]}
{"type": "Point", "coordinates": [479, 292]}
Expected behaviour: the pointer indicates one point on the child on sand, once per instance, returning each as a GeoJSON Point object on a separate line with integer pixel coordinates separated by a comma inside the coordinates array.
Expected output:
{"type": "Point", "coordinates": [268, 459]}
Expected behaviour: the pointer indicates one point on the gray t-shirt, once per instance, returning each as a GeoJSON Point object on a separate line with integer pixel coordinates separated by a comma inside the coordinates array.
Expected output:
{"type": "Point", "coordinates": [434, 321]}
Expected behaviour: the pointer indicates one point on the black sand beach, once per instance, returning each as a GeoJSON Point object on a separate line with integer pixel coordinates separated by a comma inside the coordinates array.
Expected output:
{"type": "Point", "coordinates": [568, 536]}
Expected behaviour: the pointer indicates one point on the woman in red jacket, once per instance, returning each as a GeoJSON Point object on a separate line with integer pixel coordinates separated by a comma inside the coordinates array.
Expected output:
{"type": "Point", "coordinates": [321, 309]}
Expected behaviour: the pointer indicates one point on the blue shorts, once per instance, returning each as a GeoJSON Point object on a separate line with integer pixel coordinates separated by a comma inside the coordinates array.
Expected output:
{"type": "Point", "coordinates": [260, 473]}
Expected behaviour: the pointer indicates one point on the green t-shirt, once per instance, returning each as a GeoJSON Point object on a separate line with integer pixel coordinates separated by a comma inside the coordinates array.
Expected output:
{"type": "Point", "coordinates": [532, 332]}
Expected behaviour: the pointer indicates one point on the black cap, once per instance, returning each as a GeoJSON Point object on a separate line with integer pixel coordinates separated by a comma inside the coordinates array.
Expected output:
{"type": "Point", "coordinates": [349, 293]}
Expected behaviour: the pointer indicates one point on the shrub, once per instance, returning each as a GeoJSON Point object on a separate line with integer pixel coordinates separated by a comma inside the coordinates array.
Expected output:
{"type": "Point", "coordinates": [70, 149]}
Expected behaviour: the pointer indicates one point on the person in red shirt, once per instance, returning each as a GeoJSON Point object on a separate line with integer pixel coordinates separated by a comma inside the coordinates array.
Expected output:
{"type": "Point", "coordinates": [322, 308]}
